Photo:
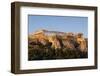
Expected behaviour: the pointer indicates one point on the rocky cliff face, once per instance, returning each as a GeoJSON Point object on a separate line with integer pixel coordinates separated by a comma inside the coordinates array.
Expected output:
{"type": "Point", "coordinates": [59, 40]}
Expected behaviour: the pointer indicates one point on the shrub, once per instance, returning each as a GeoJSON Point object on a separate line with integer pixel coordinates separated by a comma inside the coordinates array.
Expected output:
{"type": "Point", "coordinates": [40, 52]}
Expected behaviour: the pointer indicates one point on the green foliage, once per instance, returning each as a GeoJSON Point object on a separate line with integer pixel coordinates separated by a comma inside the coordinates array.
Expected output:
{"type": "Point", "coordinates": [41, 52]}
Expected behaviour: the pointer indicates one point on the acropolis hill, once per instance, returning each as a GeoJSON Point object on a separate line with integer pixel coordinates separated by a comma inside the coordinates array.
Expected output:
{"type": "Point", "coordinates": [59, 40]}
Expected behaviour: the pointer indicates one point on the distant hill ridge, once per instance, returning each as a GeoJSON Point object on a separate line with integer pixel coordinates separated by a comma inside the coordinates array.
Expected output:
{"type": "Point", "coordinates": [46, 31]}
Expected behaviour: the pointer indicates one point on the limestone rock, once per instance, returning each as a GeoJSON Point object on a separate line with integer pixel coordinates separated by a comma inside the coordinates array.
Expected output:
{"type": "Point", "coordinates": [82, 42]}
{"type": "Point", "coordinates": [59, 40]}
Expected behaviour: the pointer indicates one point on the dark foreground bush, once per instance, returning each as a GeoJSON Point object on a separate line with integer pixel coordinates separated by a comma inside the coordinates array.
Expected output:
{"type": "Point", "coordinates": [40, 52]}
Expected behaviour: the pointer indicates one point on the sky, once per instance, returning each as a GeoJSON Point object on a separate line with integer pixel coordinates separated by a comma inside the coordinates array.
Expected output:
{"type": "Point", "coordinates": [58, 23]}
